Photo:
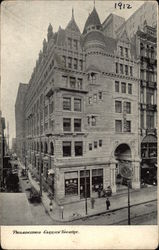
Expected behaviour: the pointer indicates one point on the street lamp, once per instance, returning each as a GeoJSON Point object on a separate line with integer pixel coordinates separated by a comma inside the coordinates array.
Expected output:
{"type": "Point", "coordinates": [85, 184]}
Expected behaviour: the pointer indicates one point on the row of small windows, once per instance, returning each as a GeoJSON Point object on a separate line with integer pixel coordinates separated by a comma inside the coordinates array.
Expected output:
{"type": "Point", "coordinates": [147, 50]}
{"type": "Point", "coordinates": [67, 104]}
{"type": "Point", "coordinates": [73, 82]}
{"type": "Point", "coordinates": [44, 147]}
{"type": "Point", "coordinates": [95, 97]}
{"type": "Point", "coordinates": [72, 43]}
{"type": "Point", "coordinates": [72, 63]}
{"type": "Point", "coordinates": [67, 125]}
{"type": "Point", "coordinates": [123, 51]}
{"type": "Point", "coordinates": [95, 144]}
{"type": "Point", "coordinates": [124, 88]}
{"type": "Point", "coordinates": [122, 126]}
{"type": "Point", "coordinates": [126, 107]}
{"type": "Point", "coordinates": [123, 69]}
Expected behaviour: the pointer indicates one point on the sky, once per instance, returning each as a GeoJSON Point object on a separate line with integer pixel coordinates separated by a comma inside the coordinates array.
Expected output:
{"type": "Point", "coordinates": [24, 26]}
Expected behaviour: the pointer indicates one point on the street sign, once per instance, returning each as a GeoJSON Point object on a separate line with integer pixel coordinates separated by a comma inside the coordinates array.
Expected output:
{"type": "Point", "coordinates": [126, 172]}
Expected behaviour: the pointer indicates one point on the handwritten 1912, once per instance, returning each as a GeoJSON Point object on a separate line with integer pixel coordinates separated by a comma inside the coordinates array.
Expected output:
{"type": "Point", "coordinates": [121, 5]}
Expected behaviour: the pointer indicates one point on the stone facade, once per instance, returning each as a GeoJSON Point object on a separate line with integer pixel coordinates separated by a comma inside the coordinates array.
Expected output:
{"type": "Point", "coordinates": [81, 111]}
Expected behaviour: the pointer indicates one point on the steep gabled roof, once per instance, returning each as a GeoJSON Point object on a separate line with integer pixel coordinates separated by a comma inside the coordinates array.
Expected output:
{"type": "Point", "coordinates": [72, 25]}
{"type": "Point", "coordinates": [93, 19]}
{"type": "Point", "coordinates": [61, 36]}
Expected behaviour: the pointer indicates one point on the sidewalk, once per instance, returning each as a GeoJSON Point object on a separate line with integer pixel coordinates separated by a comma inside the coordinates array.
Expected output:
{"type": "Point", "coordinates": [77, 210]}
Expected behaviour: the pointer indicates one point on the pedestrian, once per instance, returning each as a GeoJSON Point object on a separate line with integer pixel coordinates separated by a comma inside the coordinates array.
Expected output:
{"type": "Point", "coordinates": [107, 203]}
{"type": "Point", "coordinates": [99, 192]}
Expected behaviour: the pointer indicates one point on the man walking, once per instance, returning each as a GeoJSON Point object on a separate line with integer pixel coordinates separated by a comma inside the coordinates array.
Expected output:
{"type": "Point", "coordinates": [107, 203]}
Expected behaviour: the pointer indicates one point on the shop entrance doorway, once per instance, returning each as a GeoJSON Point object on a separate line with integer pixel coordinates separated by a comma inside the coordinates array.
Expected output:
{"type": "Point", "coordinates": [123, 157]}
{"type": "Point", "coordinates": [84, 184]}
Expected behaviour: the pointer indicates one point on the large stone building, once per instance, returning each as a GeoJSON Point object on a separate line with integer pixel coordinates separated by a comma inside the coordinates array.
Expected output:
{"type": "Point", "coordinates": [81, 111]}
{"type": "Point", "coordinates": [20, 121]}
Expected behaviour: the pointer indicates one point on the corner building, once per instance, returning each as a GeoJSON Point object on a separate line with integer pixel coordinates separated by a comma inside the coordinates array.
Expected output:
{"type": "Point", "coordinates": [81, 111]}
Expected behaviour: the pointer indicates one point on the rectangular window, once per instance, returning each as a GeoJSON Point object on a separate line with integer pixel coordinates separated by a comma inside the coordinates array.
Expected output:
{"type": "Point", "coordinates": [90, 146]}
{"type": "Point", "coordinates": [79, 83]}
{"type": "Point", "coordinates": [150, 119]}
{"type": "Point", "coordinates": [66, 124]}
{"type": "Point", "coordinates": [66, 148]}
{"type": "Point", "coordinates": [128, 107]}
{"type": "Point", "coordinates": [72, 82]}
{"type": "Point", "coordinates": [116, 86]}
{"type": "Point", "coordinates": [121, 51]}
{"type": "Point", "coordinates": [131, 71]}
{"type": "Point", "coordinates": [70, 62]}
{"type": "Point", "coordinates": [95, 97]}
{"type": "Point", "coordinates": [51, 107]}
{"type": "Point", "coordinates": [64, 61]}
{"type": "Point", "coordinates": [100, 95]}
{"type": "Point", "coordinates": [118, 125]}
{"type": "Point", "coordinates": [71, 183]}
{"type": "Point", "coordinates": [64, 80]}
{"type": "Point", "coordinates": [95, 144]}
{"type": "Point", "coordinates": [116, 68]}
{"type": "Point", "coordinates": [70, 43]}
{"type": "Point", "coordinates": [75, 63]}
{"type": "Point", "coordinates": [100, 143]}
{"type": "Point", "coordinates": [77, 104]}
{"type": "Point", "coordinates": [90, 100]}
{"type": "Point", "coordinates": [66, 103]}
{"type": "Point", "coordinates": [77, 125]}
{"type": "Point", "coordinates": [123, 87]}
{"type": "Point", "coordinates": [126, 70]}
{"type": "Point", "coordinates": [46, 111]}
{"type": "Point", "coordinates": [75, 44]}
{"type": "Point", "coordinates": [130, 88]}
{"type": "Point", "coordinates": [142, 119]}
{"type": "Point", "coordinates": [126, 52]}
{"type": "Point", "coordinates": [78, 148]}
{"type": "Point", "coordinates": [93, 121]}
{"type": "Point", "coordinates": [150, 96]}
{"type": "Point", "coordinates": [128, 126]}
{"type": "Point", "coordinates": [80, 65]}
{"type": "Point", "coordinates": [118, 106]}
{"type": "Point", "coordinates": [121, 68]}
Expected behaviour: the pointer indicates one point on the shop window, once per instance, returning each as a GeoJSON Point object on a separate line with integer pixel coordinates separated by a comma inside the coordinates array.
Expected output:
{"type": "Point", "coordinates": [77, 125]}
{"type": "Point", "coordinates": [79, 148]}
{"type": "Point", "coordinates": [51, 148]}
{"type": "Point", "coordinates": [116, 86]}
{"type": "Point", "coordinates": [97, 179]}
{"type": "Point", "coordinates": [100, 143]}
{"type": "Point", "coordinates": [66, 103]}
{"type": "Point", "coordinates": [72, 82]}
{"type": "Point", "coordinates": [71, 183]}
{"type": "Point", "coordinates": [95, 144]}
{"type": "Point", "coordinates": [121, 68]}
{"type": "Point", "coordinates": [130, 88]}
{"type": "Point", "coordinates": [123, 87]}
{"type": "Point", "coordinates": [77, 104]}
{"type": "Point", "coordinates": [118, 106]}
{"type": "Point", "coordinates": [100, 95]}
{"type": "Point", "coordinates": [66, 149]}
{"type": "Point", "coordinates": [128, 107]}
{"type": "Point", "coordinates": [90, 146]}
{"type": "Point", "coordinates": [66, 124]}
{"type": "Point", "coordinates": [118, 125]}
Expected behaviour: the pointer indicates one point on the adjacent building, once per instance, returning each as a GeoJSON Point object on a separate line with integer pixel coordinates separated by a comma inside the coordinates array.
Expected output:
{"type": "Point", "coordinates": [2, 148]}
{"type": "Point", "coordinates": [81, 111]}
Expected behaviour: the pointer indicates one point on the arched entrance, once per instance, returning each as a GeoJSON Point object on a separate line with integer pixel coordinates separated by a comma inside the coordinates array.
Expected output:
{"type": "Point", "coordinates": [123, 157]}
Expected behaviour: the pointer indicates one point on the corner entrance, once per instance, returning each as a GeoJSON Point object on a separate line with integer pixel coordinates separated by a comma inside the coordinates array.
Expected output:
{"type": "Point", "coordinates": [123, 157]}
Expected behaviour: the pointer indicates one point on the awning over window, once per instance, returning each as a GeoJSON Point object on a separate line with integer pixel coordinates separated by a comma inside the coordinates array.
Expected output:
{"type": "Point", "coordinates": [149, 139]}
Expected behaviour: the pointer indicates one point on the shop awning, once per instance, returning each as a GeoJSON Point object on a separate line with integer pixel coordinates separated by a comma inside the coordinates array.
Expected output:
{"type": "Point", "coordinates": [149, 139]}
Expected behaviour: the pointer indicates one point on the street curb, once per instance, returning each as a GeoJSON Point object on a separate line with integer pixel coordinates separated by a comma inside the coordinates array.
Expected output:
{"type": "Point", "coordinates": [98, 213]}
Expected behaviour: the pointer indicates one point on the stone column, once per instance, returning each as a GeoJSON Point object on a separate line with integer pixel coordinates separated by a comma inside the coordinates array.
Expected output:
{"type": "Point", "coordinates": [59, 185]}
{"type": "Point", "coordinates": [112, 177]}
{"type": "Point", "coordinates": [144, 119]}
{"type": "Point", "coordinates": [106, 176]}
{"type": "Point", "coordinates": [144, 95]}
{"type": "Point", "coordinates": [136, 174]}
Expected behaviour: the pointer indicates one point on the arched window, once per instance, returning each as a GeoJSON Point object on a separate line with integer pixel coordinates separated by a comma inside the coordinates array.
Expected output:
{"type": "Point", "coordinates": [37, 146]}
{"type": "Point", "coordinates": [51, 148]}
